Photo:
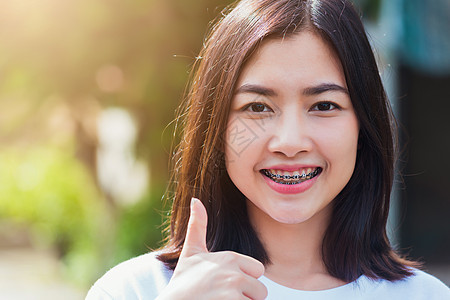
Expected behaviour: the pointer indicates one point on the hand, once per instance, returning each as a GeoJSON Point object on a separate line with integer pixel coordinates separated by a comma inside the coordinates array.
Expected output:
{"type": "Point", "coordinates": [216, 275]}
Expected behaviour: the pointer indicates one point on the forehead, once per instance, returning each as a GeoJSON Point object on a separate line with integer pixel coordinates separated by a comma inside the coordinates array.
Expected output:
{"type": "Point", "coordinates": [303, 57]}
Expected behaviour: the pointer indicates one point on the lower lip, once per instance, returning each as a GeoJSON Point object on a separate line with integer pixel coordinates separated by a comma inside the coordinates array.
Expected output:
{"type": "Point", "coordinates": [290, 188]}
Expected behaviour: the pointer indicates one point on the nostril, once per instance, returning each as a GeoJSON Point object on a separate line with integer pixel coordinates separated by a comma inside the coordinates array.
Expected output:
{"type": "Point", "coordinates": [290, 140]}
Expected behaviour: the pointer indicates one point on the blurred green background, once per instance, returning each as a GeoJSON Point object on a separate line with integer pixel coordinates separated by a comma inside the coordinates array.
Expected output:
{"type": "Point", "coordinates": [88, 92]}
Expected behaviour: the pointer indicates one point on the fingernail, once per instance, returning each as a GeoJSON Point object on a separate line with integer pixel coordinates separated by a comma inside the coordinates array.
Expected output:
{"type": "Point", "coordinates": [193, 200]}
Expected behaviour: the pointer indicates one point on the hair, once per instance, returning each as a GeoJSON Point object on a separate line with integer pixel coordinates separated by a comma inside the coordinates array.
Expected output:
{"type": "Point", "coordinates": [355, 242]}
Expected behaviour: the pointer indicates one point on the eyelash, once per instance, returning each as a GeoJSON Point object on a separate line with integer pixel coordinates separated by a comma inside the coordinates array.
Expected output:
{"type": "Point", "coordinates": [315, 107]}
{"type": "Point", "coordinates": [335, 106]}
{"type": "Point", "coordinates": [249, 105]}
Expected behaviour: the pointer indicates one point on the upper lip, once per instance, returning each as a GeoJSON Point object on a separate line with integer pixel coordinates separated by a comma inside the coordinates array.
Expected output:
{"type": "Point", "coordinates": [291, 168]}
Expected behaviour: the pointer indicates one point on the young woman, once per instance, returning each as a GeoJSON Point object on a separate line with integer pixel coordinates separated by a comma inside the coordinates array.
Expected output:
{"type": "Point", "coordinates": [288, 143]}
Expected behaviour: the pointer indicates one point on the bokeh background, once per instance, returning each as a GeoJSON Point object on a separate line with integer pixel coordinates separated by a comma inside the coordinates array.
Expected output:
{"type": "Point", "coordinates": [88, 93]}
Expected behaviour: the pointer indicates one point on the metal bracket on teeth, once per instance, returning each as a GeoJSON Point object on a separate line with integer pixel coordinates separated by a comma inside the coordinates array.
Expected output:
{"type": "Point", "coordinates": [303, 176]}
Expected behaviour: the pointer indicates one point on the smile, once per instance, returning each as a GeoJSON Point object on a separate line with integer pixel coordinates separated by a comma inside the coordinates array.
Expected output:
{"type": "Point", "coordinates": [291, 178]}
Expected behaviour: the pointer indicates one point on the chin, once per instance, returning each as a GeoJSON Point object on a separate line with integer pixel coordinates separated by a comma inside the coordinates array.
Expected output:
{"type": "Point", "coordinates": [289, 217]}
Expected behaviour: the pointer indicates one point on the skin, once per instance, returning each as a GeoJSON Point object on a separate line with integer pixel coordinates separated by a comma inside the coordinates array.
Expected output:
{"type": "Point", "coordinates": [292, 108]}
{"type": "Point", "coordinates": [288, 128]}
{"type": "Point", "coordinates": [219, 275]}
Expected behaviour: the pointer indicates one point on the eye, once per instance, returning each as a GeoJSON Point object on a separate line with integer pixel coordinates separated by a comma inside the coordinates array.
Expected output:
{"type": "Point", "coordinates": [257, 107]}
{"type": "Point", "coordinates": [325, 106]}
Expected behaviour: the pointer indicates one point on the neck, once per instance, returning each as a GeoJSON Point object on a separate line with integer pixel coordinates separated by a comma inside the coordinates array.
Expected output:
{"type": "Point", "coordinates": [295, 250]}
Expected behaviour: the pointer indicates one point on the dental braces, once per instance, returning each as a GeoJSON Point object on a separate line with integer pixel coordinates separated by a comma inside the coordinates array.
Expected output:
{"type": "Point", "coordinates": [297, 177]}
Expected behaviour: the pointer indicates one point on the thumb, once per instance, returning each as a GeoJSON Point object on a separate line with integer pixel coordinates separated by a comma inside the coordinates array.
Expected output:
{"type": "Point", "coordinates": [195, 241]}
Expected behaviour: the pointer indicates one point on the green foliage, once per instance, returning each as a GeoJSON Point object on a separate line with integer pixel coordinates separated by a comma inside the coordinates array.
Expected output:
{"type": "Point", "coordinates": [52, 64]}
{"type": "Point", "coordinates": [139, 228]}
{"type": "Point", "coordinates": [51, 192]}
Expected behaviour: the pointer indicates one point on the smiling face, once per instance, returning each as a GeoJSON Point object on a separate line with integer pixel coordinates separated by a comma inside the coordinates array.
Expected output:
{"type": "Point", "coordinates": [292, 134]}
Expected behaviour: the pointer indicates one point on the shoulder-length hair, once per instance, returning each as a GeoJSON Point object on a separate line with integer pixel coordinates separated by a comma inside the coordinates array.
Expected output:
{"type": "Point", "coordinates": [355, 242]}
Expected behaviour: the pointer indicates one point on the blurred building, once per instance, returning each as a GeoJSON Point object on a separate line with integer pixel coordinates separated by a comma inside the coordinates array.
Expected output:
{"type": "Point", "coordinates": [424, 80]}
{"type": "Point", "coordinates": [412, 44]}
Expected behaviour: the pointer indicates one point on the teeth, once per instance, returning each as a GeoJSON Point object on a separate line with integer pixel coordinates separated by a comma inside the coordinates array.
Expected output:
{"type": "Point", "coordinates": [295, 177]}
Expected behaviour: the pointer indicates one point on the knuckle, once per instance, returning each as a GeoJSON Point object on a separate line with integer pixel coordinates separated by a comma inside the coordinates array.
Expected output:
{"type": "Point", "coordinates": [234, 280]}
{"type": "Point", "coordinates": [229, 257]}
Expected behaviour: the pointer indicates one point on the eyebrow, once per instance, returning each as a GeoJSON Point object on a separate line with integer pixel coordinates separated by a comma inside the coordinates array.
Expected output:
{"type": "Point", "coordinates": [324, 87]}
{"type": "Point", "coordinates": [309, 91]}
{"type": "Point", "coordinates": [255, 89]}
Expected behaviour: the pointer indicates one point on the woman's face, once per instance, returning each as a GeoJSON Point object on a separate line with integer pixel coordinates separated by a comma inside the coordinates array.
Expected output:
{"type": "Point", "coordinates": [292, 134]}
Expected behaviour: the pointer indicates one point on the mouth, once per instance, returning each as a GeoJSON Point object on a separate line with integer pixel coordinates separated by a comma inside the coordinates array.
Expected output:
{"type": "Point", "coordinates": [291, 178]}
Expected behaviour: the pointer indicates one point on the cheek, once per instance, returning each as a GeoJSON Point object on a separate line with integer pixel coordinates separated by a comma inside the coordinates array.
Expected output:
{"type": "Point", "coordinates": [238, 141]}
{"type": "Point", "coordinates": [339, 142]}
{"type": "Point", "coordinates": [242, 138]}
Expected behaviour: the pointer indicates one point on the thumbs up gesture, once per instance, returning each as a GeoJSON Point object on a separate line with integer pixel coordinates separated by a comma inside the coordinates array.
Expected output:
{"type": "Point", "coordinates": [195, 241]}
{"type": "Point", "coordinates": [216, 275]}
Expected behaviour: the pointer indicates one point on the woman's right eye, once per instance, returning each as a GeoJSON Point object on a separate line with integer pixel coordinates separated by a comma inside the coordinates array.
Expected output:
{"type": "Point", "coordinates": [257, 107]}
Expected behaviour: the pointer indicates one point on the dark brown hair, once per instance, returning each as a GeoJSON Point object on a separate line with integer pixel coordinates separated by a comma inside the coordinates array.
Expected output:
{"type": "Point", "coordinates": [355, 242]}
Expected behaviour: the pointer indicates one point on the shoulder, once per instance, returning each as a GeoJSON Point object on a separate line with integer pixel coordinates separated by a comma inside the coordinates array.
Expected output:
{"type": "Point", "coordinates": [142, 277]}
{"type": "Point", "coordinates": [420, 285]}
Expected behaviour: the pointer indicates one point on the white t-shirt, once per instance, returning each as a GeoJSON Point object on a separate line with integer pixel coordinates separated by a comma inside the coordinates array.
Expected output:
{"type": "Point", "coordinates": [144, 277]}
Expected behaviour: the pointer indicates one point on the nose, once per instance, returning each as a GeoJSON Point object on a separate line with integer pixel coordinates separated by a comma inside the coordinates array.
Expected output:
{"type": "Point", "coordinates": [291, 135]}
